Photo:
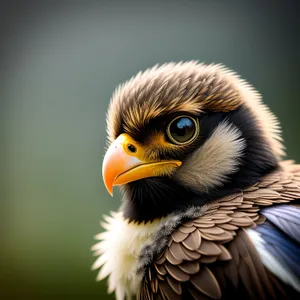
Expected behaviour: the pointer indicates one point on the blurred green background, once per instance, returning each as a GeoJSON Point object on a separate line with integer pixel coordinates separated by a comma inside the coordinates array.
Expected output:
{"type": "Point", "coordinates": [58, 68]}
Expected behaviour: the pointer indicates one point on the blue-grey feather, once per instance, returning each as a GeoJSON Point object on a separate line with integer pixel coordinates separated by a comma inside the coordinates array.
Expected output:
{"type": "Point", "coordinates": [281, 246]}
{"type": "Point", "coordinates": [286, 218]}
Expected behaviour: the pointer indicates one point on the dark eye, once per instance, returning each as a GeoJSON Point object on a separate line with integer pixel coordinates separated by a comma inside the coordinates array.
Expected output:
{"type": "Point", "coordinates": [183, 130]}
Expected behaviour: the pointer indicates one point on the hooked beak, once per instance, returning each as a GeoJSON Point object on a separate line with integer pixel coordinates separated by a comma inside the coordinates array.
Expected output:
{"type": "Point", "coordinates": [124, 162]}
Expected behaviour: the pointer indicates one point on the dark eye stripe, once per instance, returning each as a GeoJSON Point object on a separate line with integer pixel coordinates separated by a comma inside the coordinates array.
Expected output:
{"type": "Point", "coordinates": [183, 130]}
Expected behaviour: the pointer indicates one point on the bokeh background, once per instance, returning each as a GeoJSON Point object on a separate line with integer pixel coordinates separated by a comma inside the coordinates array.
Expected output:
{"type": "Point", "coordinates": [59, 64]}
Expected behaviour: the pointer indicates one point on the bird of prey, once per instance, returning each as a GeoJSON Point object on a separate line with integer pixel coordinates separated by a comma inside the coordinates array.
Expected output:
{"type": "Point", "coordinates": [210, 209]}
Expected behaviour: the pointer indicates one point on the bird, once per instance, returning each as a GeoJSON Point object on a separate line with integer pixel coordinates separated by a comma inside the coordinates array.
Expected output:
{"type": "Point", "coordinates": [210, 206]}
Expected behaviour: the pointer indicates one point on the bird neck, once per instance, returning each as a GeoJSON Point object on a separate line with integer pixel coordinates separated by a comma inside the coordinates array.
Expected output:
{"type": "Point", "coordinates": [154, 198]}
{"type": "Point", "coordinates": [151, 199]}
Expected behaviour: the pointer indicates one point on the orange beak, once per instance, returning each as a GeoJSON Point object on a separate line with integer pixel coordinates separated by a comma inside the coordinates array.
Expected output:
{"type": "Point", "coordinates": [124, 162]}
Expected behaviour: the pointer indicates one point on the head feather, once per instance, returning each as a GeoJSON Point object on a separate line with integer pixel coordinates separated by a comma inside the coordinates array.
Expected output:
{"type": "Point", "coordinates": [186, 87]}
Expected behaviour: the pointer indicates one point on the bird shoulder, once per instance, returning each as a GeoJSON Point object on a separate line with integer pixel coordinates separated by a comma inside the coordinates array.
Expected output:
{"type": "Point", "coordinates": [209, 255]}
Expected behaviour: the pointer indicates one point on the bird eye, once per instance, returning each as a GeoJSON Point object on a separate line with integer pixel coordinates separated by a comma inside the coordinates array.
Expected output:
{"type": "Point", "coordinates": [183, 130]}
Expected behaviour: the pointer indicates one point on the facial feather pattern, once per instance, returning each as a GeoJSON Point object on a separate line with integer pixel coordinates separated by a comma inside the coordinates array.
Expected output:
{"type": "Point", "coordinates": [209, 166]}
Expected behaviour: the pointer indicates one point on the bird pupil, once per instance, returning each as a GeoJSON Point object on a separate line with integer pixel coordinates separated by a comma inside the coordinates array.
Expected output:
{"type": "Point", "coordinates": [131, 148]}
{"type": "Point", "coordinates": [182, 129]}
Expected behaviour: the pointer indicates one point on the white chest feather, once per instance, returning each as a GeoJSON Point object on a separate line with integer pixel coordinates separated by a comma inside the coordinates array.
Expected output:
{"type": "Point", "coordinates": [118, 251]}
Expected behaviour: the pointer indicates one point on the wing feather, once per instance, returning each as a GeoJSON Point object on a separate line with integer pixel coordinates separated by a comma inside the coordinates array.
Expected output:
{"type": "Point", "coordinates": [286, 218]}
{"type": "Point", "coordinates": [213, 257]}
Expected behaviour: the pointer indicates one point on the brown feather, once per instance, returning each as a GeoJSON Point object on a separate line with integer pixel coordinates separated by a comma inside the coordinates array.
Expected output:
{"type": "Point", "coordinates": [177, 273]}
{"type": "Point", "coordinates": [175, 285]}
{"type": "Point", "coordinates": [178, 253]}
{"type": "Point", "coordinates": [179, 236]}
{"type": "Point", "coordinates": [209, 248]}
{"type": "Point", "coordinates": [160, 269]}
{"type": "Point", "coordinates": [190, 267]}
{"type": "Point", "coordinates": [193, 241]}
{"type": "Point", "coordinates": [225, 255]}
{"type": "Point", "coordinates": [184, 229]}
{"type": "Point", "coordinates": [171, 258]}
{"type": "Point", "coordinates": [167, 291]}
{"type": "Point", "coordinates": [209, 260]}
{"type": "Point", "coordinates": [206, 283]}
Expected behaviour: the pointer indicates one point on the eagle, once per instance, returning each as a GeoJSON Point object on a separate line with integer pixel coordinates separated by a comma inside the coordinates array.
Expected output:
{"type": "Point", "coordinates": [210, 209]}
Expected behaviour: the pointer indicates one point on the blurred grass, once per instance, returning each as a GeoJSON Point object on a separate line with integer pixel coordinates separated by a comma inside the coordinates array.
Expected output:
{"type": "Point", "coordinates": [60, 66]}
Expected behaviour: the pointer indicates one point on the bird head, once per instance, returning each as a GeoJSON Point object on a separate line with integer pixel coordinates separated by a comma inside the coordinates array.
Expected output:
{"type": "Point", "coordinates": [182, 134]}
